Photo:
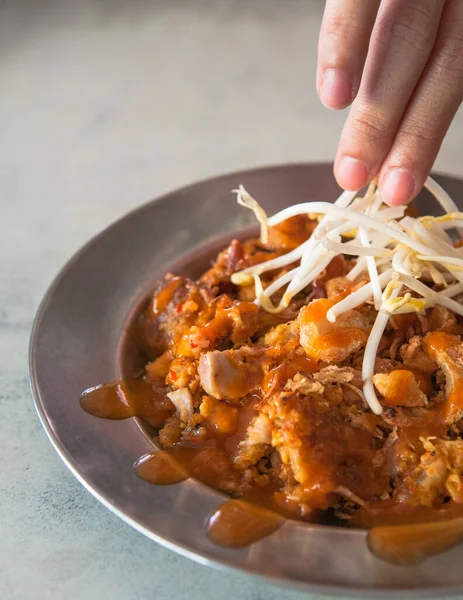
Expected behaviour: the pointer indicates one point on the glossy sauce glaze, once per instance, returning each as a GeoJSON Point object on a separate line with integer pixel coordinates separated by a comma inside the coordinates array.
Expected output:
{"type": "Point", "coordinates": [224, 362]}
{"type": "Point", "coordinates": [398, 534]}
{"type": "Point", "coordinates": [128, 398]}
{"type": "Point", "coordinates": [236, 524]}
{"type": "Point", "coordinates": [411, 544]}
{"type": "Point", "coordinates": [160, 468]}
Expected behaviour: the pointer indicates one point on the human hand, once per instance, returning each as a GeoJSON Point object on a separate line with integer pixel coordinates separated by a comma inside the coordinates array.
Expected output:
{"type": "Point", "coordinates": [400, 64]}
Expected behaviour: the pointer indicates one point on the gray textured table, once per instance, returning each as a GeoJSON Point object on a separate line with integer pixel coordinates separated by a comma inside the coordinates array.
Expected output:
{"type": "Point", "coordinates": [103, 105]}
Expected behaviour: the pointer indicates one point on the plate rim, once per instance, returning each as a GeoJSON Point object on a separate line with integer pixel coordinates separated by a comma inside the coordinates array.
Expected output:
{"type": "Point", "coordinates": [179, 548]}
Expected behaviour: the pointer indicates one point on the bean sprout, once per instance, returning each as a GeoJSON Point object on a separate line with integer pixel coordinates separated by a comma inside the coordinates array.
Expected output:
{"type": "Point", "coordinates": [396, 251]}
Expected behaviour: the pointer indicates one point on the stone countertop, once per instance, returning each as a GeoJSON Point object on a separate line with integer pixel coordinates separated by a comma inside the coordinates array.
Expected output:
{"type": "Point", "coordinates": [103, 105]}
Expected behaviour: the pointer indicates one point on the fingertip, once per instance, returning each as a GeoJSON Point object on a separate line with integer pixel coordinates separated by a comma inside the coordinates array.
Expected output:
{"type": "Point", "coordinates": [397, 186]}
{"type": "Point", "coordinates": [336, 89]}
{"type": "Point", "coordinates": [351, 173]}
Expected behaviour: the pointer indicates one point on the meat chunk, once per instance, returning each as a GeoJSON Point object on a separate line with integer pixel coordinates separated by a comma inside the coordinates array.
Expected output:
{"type": "Point", "coordinates": [415, 357]}
{"type": "Point", "coordinates": [331, 342]}
{"type": "Point", "coordinates": [183, 402]}
{"type": "Point", "coordinates": [447, 351]}
{"type": "Point", "coordinates": [399, 388]}
{"type": "Point", "coordinates": [426, 483]}
{"type": "Point", "coordinates": [257, 440]}
{"type": "Point", "coordinates": [323, 450]}
{"type": "Point", "coordinates": [228, 374]}
{"type": "Point", "coordinates": [438, 474]}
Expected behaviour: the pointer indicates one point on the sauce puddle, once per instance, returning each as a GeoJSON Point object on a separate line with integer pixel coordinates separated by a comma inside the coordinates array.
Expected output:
{"type": "Point", "coordinates": [160, 468]}
{"type": "Point", "coordinates": [411, 544]}
{"type": "Point", "coordinates": [128, 398]}
{"type": "Point", "coordinates": [236, 524]}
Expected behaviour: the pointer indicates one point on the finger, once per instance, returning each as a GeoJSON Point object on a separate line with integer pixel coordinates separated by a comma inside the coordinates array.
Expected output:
{"type": "Point", "coordinates": [342, 49]}
{"type": "Point", "coordinates": [401, 43]}
{"type": "Point", "coordinates": [429, 114]}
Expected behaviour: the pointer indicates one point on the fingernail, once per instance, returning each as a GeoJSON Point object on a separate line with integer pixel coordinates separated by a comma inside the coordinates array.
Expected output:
{"type": "Point", "coordinates": [397, 186]}
{"type": "Point", "coordinates": [352, 173]}
{"type": "Point", "coordinates": [336, 89]}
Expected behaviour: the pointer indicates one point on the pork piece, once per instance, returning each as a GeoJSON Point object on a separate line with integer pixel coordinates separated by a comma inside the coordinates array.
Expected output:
{"type": "Point", "coordinates": [426, 483]}
{"type": "Point", "coordinates": [324, 450]}
{"type": "Point", "coordinates": [399, 388]}
{"type": "Point", "coordinates": [230, 374]}
{"type": "Point", "coordinates": [414, 356]}
{"type": "Point", "coordinates": [256, 443]}
{"type": "Point", "coordinates": [331, 342]}
{"type": "Point", "coordinates": [437, 476]}
{"type": "Point", "coordinates": [447, 351]}
{"type": "Point", "coordinates": [183, 402]}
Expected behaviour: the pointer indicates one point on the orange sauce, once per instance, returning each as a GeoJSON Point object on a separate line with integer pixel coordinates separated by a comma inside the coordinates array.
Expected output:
{"type": "Point", "coordinates": [438, 342]}
{"type": "Point", "coordinates": [341, 337]}
{"type": "Point", "coordinates": [319, 336]}
{"type": "Point", "coordinates": [236, 524]}
{"type": "Point", "coordinates": [160, 468]}
{"type": "Point", "coordinates": [128, 398]}
{"type": "Point", "coordinates": [401, 533]}
{"type": "Point", "coordinates": [291, 233]}
{"type": "Point", "coordinates": [411, 544]}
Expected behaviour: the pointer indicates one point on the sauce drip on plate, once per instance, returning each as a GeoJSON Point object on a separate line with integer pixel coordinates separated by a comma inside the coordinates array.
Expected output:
{"type": "Point", "coordinates": [411, 544]}
{"type": "Point", "coordinates": [160, 468]}
{"type": "Point", "coordinates": [127, 398]}
{"type": "Point", "coordinates": [236, 524]}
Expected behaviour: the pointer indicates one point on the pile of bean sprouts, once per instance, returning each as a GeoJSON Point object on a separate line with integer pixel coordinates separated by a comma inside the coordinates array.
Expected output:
{"type": "Point", "coordinates": [401, 254]}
